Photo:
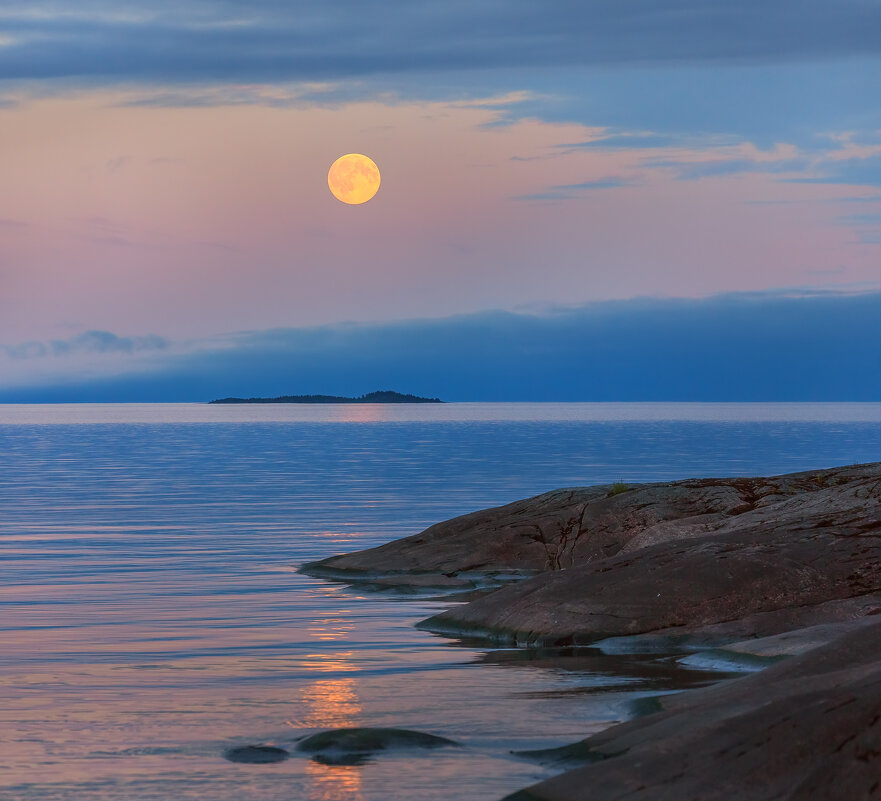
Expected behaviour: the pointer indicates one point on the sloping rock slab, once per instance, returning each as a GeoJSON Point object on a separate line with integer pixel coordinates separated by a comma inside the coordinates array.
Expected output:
{"type": "Point", "coordinates": [796, 559]}
{"type": "Point", "coordinates": [807, 729]}
{"type": "Point", "coordinates": [570, 527]}
{"type": "Point", "coordinates": [686, 587]}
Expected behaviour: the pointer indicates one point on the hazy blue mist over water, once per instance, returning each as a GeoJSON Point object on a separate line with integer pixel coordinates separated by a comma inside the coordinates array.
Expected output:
{"type": "Point", "coordinates": [151, 615]}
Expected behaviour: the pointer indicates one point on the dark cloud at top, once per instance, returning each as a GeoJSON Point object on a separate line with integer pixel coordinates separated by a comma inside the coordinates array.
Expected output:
{"type": "Point", "coordinates": [772, 71]}
{"type": "Point", "coordinates": [313, 40]}
{"type": "Point", "coordinates": [813, 346]}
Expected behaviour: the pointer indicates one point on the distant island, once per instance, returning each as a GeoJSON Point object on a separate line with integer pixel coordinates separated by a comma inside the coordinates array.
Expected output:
{"type": "Point", "coordinates": [383, 396]}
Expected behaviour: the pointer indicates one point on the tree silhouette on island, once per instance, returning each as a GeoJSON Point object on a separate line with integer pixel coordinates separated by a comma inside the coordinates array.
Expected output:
{"type": "Point", "coordinates": [381, 396]}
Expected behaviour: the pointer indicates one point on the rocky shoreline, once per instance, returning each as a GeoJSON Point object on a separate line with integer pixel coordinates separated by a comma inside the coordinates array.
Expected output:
{"type": "Point", "coordinates": [782, 571]}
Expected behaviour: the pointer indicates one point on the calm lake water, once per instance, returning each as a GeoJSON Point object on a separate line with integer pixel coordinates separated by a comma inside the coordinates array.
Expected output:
{"type": "Point", "coordinates": [151, 614]}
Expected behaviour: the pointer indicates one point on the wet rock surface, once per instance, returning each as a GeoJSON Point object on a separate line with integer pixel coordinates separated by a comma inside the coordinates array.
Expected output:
{"type": "Point", "coordinates": [358, 745]}
{"type": "Point", "coordinates": [806, 729]}
{"type": "Point", "coordinates": [256, 754]}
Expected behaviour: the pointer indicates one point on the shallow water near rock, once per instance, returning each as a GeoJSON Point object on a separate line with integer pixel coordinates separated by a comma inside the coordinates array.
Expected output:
{"type": "Point", "coordinates": [256, 754]}
{"type": "Point", "coordinates": [152, 617]}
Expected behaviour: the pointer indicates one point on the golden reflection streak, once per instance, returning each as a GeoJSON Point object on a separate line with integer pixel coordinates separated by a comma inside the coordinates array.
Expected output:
{"type": "Point", "coordinates": [331, 704]}
{"type": "Point", "coordinates": [328, 663]}
{"type": "Point", "coordinates": [360, 413]}
{"type": "Point", "coordinates": [334, 782]}
{"type": "Point", "coordinates": [331, 628]}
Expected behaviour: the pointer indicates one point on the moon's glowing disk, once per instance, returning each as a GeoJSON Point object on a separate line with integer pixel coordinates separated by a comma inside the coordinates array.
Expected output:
{"type": "Point", "coordinates": [353, 178]}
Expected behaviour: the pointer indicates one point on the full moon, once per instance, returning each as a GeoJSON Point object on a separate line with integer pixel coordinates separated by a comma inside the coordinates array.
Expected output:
{"type": "Point", "coordinates": [353, 178]}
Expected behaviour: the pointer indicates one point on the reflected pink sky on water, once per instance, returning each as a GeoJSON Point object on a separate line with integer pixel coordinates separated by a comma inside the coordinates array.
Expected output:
{"type": "Point", "coordinates": [119, 701]}
{"type": "Point", "coordinates": [151, 615]}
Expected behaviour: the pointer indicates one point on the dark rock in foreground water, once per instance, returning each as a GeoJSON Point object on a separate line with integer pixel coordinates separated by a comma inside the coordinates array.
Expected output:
{"type": "Point", "coordinates": [356, 746]}
{"type": "Point", "coordinates": [256, 754]}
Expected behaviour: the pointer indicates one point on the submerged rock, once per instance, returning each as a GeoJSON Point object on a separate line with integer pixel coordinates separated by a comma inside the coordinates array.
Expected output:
{"type": "Point", "coordinates": [565, 756]}
{"type": "Point", "coordinates": [256, 754]}
{"type": "Point", "coordinates": [358, 745]}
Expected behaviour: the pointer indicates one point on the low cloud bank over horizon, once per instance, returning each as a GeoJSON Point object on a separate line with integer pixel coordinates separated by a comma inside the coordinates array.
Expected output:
{"type": "Point", "coordinates": [770, 346]}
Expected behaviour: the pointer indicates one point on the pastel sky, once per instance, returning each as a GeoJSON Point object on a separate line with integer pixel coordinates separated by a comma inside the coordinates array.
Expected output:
{"type": "Point", "coordinates": [164, 164]}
